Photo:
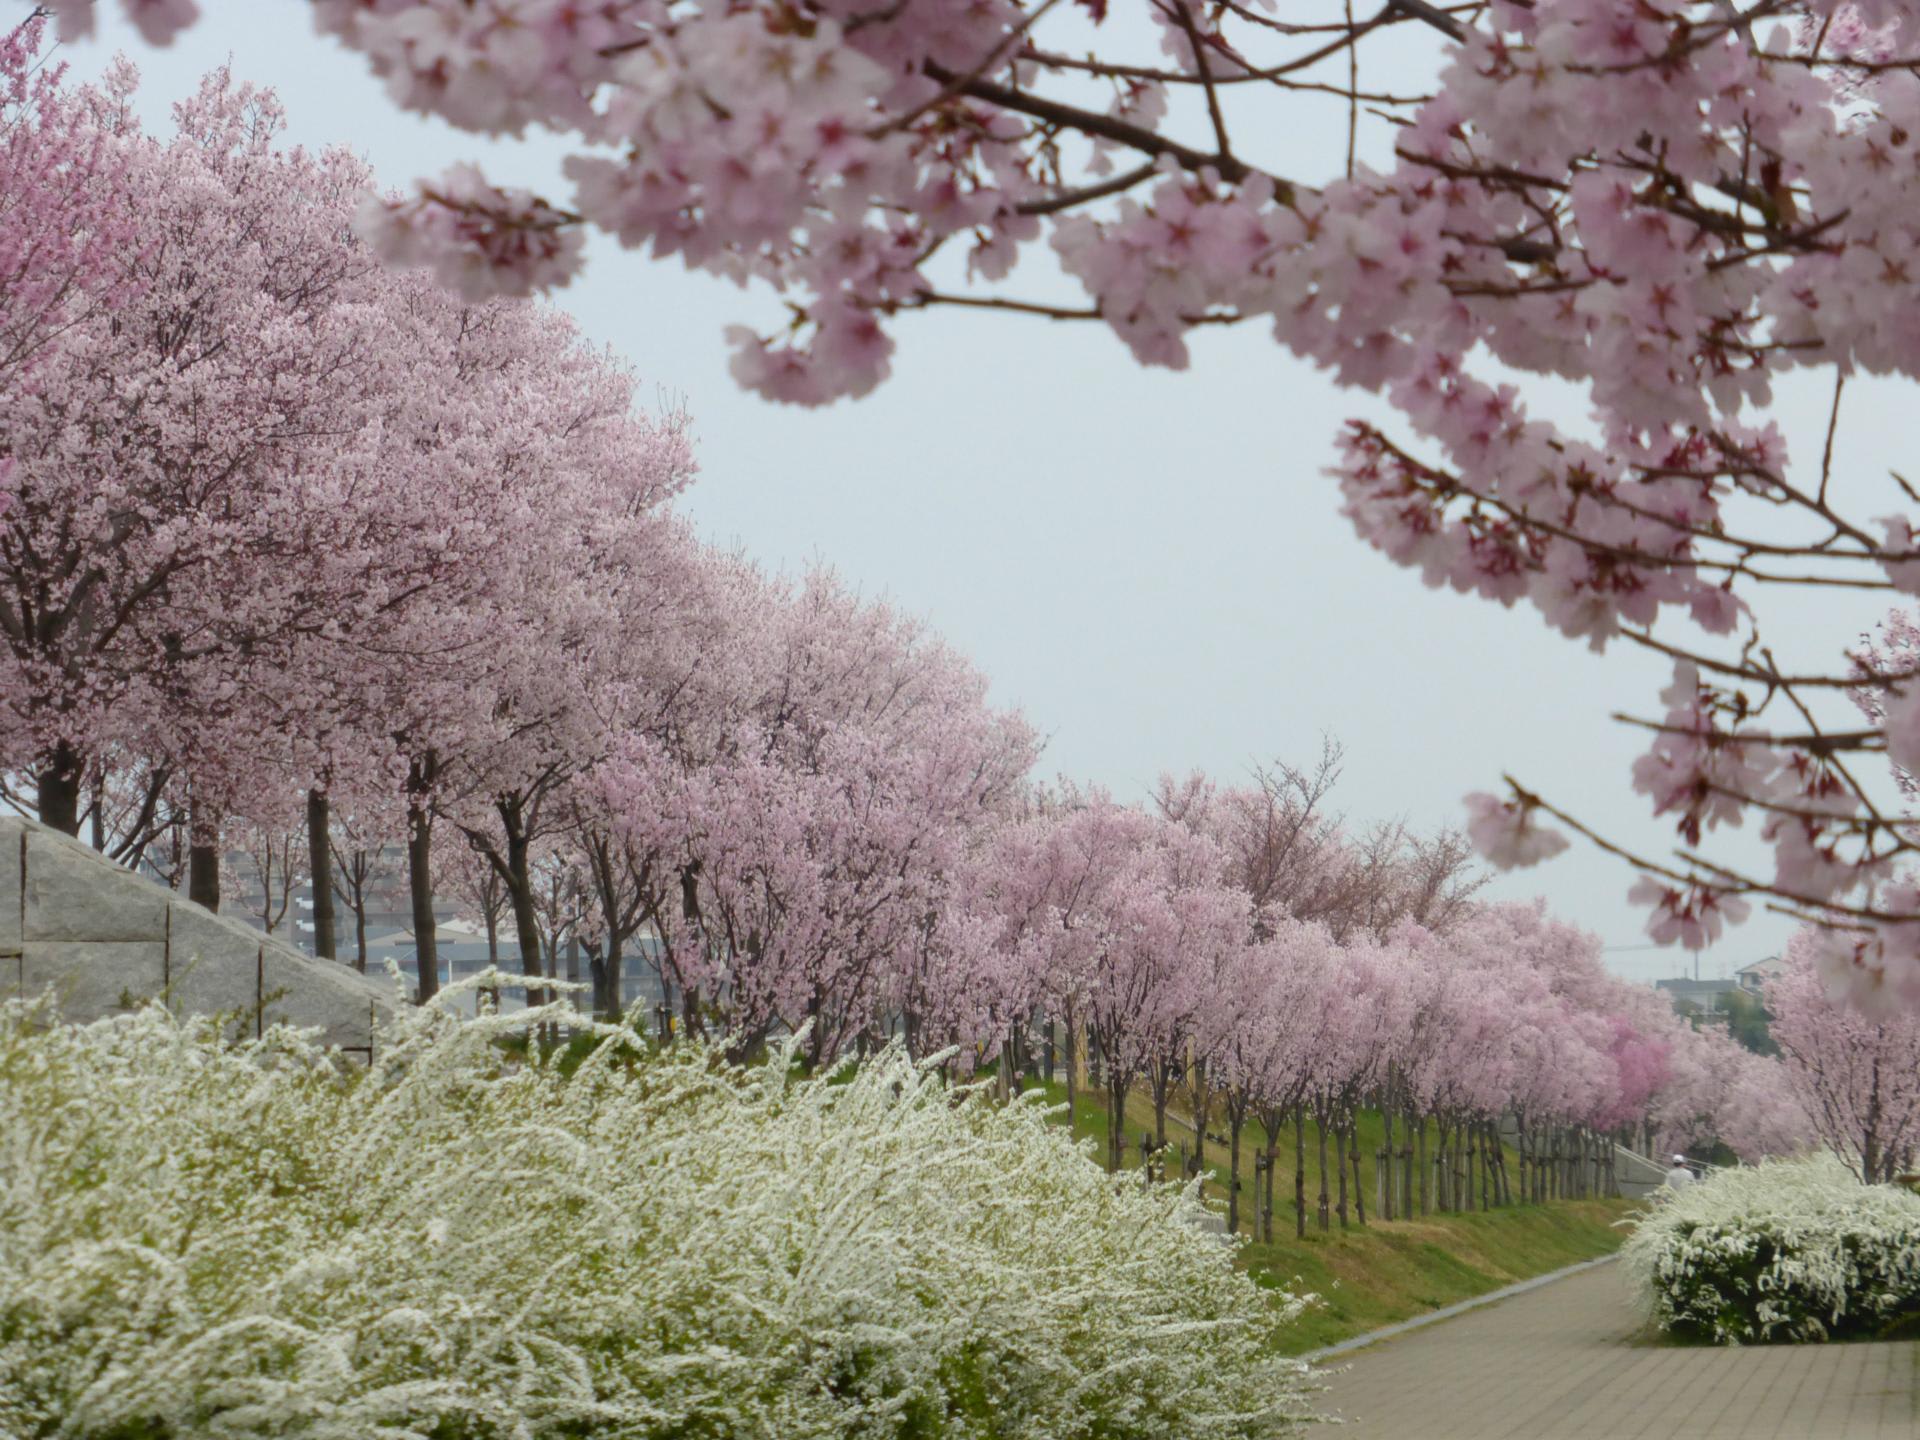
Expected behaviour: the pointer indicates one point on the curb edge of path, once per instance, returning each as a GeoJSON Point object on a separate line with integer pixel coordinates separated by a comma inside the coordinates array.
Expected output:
{"type": "Point", "coordinates": [1459, 1307]}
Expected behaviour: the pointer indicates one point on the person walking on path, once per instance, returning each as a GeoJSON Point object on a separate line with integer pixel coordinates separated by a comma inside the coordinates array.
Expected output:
{"type": "Point", "coordinates": [1679, 1177]}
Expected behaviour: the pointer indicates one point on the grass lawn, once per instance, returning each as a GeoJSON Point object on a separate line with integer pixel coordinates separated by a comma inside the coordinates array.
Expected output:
{"type": "Point", "coordinates": [1375, 1275]}
{"type": "Point", "coordinates": [1367, 1278]}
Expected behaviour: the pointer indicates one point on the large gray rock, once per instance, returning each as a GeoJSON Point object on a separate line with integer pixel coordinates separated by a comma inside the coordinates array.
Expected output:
{"type": "Point", "coordinates": [91, 978]}
{"type": "Point", "coordinates": [346, 1005]}
{"type": "Point", "coordinates": [102, 938]}
{"type": "Point", "coordinates": [75, 893]}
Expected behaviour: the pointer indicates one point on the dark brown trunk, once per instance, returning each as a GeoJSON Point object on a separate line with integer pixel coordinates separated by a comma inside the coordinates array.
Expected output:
{"type": "Point", "coordinates": [203, 862]}
{"type": "Point", "coordinates": [1073, 1078]}
{"type": "Point", "coordinates": [1266, 1209]}
{"type": "Point", "coordinates": [1161, 1078]}
{"type": "Point", "coordinates": [1426, 1182]}
{"type": "Point", "coordinates": [1486, 1168]}
{"type": "Point", "coordinates": [320, 868]}
{"type": "Point", "coordinates": [1299, 1173]}
{"type": "Point", "coordinates": [1200, 1108]}
{"type": "Point", "coordinates": [426, 950]}
{"type": "Point", "coordinates": [1236, 1116]}
{"type": "Point", "coordinates": [1340, 1167]}
{"type": "Point", "coordinates": [519, 878]}
{"type": "Point", "coordinates": [1353, 1158]}
{"type": "Point", "coordinates": [97, 812]}
{"type": "Point", "coordinates": [1320, 1133]}
{"type": "Point", "coordinates": [57, 790]}
{"type": "Point", "coordinates": [1386, 1162]}
{"type": "Point", "coordinates": [606, 981]}
{"type": "Point", "coordinates": [1116, 1114]}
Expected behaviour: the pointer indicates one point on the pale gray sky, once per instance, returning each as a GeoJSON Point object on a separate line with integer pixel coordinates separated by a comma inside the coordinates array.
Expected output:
{"type": "Point", "coordinates": [1151, 565]}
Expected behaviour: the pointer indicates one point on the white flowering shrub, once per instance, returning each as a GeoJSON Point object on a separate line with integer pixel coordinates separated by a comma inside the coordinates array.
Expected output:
{"type": "Point", "coordinates": [1786, 1250]}
{"type": "Point", "coordinates": [201, 1239]}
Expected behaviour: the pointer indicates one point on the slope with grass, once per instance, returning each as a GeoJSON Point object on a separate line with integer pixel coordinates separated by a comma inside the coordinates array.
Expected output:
{"type": "Point", "coordinates": [1385, 1273]}
{"type": "Point", "coordinates": [1381, 1273]}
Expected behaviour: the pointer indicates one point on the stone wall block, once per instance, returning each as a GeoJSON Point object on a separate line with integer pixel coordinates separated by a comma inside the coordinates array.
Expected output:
{"type": "Point", "coordinates": [308, 992]}
{"type": "Point", "coordinates": [12, 839]}
{"type": "Point", "coordinates": [212, 966]}
{"type": "Point", "coordinates": [104, 938]}
{"type": "Point", "coordinates": [223, 967]}
{"type": "Point", "coordinates": [91, 978]}
{"type": "Point", "coordinates": [75, 893]}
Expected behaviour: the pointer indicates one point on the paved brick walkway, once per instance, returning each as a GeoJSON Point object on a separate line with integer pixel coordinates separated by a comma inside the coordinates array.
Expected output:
{"type": "Point", "coordinates": [1567, 1362]}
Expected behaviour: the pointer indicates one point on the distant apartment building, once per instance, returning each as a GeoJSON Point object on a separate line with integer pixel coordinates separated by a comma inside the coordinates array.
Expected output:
{"type": "Point", "coordinates": [1706, 999]}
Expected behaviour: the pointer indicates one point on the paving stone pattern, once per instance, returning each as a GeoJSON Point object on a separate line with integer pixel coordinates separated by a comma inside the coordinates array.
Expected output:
{"type": "Point", "coordinates": [1569, 1361]}
{"type": "Point", "coordinates": [102, 938]}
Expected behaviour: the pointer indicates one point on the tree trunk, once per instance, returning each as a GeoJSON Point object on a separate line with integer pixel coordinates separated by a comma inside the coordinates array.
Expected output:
{"type": "Point", "coordinates": [1160, 1077]}
{"type": "Point", "coordinates": [1464, 1168]}
{"type": "Point", "coordinates": [1236, 1117]}
{"type": "Point", "coordinates": [1320, 1132]}
{"type": "Point", "coordinates": [1299, 1173]}
{"type": "Point", "coordinates": [1266, 1209]}
{"type": "Point", "coordinates": [519, 878]}
{"type": "Point", "coordinates": [57, 790]}
{"type": "Point", "coordinates": [97, 811]}
{"type": "Point", "coordinates": [1339, 1166]}
{"type": "Point", "coordinates": [426, 950]}
{"type": "Point", "coordinates": [1200, 1108]}
{"type": "Point", "coordinates": [320, 867]}
{"type": "Point", "coordinates": [203, 863]}
{"type": "Point", "coordinates": [607, 978]}
{"type": "Point", "coordinates": [1427, 1196]}
{"type": "Point", "coordinates": [1073, 1077]}
{"type": "Point", "coordinates": [1870, 1138]}
{"type": "Point", "coordinates": [1386, 1162]}
{"type": "Point", "coordinates": [1486, 1166]}
{"type": "Point", "coordinates": [1353, 1153]}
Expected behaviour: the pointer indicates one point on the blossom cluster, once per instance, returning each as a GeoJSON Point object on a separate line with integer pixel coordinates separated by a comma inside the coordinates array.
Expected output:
{"type": "Point", "coordinates": [1787, 1250]}
{"type": "Point", "coordinates": [257, 1239]}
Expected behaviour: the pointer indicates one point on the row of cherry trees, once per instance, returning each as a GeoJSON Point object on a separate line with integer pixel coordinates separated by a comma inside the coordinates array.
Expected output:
{"type": "Point", "coordinates": [1139, 931]}
{"type": "Point", "coordinates": [1671, 211]}
{"type": "Point", "coordinates": [300, 557]}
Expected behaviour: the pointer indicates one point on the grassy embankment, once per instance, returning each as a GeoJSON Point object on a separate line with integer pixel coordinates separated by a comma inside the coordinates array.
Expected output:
{"type": "Point", "coordinates": [1385, 1272]}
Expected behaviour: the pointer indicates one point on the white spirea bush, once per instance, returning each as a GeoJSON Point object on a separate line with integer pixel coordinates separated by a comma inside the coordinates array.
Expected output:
{"type": "Point", "coordinates": [209, 1240]}
{"type": "Point", "coordinates": [1786, 1250]}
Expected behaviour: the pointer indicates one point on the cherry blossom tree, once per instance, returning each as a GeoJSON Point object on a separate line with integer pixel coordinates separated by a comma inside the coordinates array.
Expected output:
{"type": "Point", "coordinates": [809, 809]}
{"type": "Point", "coordinates": [1856, 1076]}
{"type": "Point", "coordinates": [1283, 1003]}
{"type": "Point", "coordinates": [168, 409]}
{"type": "Point", "coordinates": [1289, 851]}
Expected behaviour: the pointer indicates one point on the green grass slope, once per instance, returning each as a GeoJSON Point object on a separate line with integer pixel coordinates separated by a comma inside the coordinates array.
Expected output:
{"type": "Point", "coordinates": [1381, 1273]}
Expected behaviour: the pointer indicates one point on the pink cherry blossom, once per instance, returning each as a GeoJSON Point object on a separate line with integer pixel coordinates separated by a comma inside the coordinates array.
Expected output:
{"type": "Point", "coordinates": [1507, 834]}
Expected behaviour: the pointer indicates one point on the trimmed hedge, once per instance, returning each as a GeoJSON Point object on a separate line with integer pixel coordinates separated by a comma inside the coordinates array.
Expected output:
{"type": "Point", "coordinates": [1786, 1250]}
